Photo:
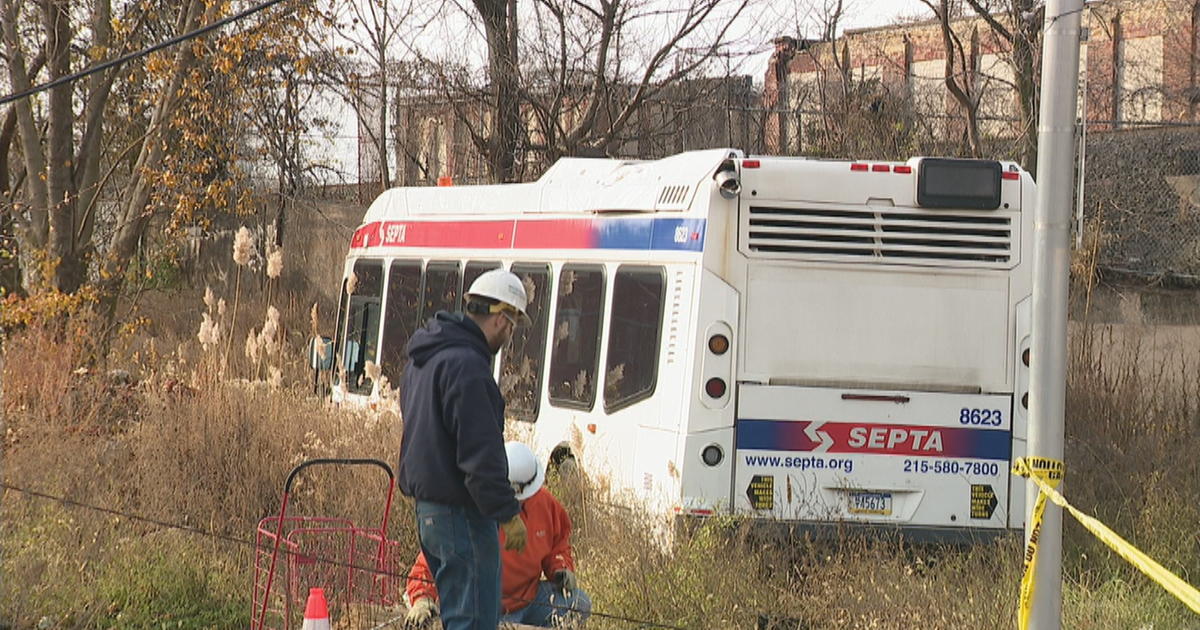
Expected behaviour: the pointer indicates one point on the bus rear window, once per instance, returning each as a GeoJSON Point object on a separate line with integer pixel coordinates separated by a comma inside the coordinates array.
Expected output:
{"type": "Point", "coordinates": [521, 367]}
{"type": "Point", "coordinates": [633, 336]}
{"type": "Point", "coordinates": [576, 336]}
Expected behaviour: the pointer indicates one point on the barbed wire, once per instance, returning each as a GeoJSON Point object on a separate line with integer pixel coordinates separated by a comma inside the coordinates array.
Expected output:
{"type": "Point", "coordinates": [639, 623]}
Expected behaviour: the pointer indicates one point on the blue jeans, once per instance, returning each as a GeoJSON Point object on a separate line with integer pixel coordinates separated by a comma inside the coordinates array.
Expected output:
{"type": "Point", "coordinates": [551, 608]}
{"type": "Point", "coordinates": [462, 547]}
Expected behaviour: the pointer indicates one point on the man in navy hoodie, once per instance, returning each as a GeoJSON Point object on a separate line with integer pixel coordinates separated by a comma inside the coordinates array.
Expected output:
{"type": "Point", "coordinates": [452, 458]}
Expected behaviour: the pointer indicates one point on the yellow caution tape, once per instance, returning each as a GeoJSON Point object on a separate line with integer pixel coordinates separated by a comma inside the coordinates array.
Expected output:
{"type": "Point", "coordinates": [1048, 474]}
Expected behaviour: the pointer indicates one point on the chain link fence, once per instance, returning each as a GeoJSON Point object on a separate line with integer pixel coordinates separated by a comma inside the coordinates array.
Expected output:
{"type": "Point", "coordinates": [1141, 203]}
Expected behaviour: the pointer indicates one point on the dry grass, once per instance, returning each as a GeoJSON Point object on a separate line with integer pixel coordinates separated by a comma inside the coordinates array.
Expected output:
{"type": "Point", "coordinates": [184, 446]}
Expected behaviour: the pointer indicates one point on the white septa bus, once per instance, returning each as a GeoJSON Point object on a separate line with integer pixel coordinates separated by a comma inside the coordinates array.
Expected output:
{"type": "Point", "coordinates": [799, 340]}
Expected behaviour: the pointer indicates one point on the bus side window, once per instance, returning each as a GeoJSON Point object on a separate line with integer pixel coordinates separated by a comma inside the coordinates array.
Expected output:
{"type": "Point", "coordinates": [633, 335]}
{"type": "Point", "coordinates": [473, 270]}
{"type": "Point", "coordinates": [521, 367]}
{"type": "Point", "coordinates": [362, 328]}
{"type": "Point", "coordinates": [400, 318]}
{"type": "Point", "coordinates": [442, 282]}
{"type": "Point", "coordinates": [576, 336]}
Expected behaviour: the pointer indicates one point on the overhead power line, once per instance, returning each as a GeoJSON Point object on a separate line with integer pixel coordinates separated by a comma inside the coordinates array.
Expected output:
{"type": "Point", "coordinates": [123, 59]}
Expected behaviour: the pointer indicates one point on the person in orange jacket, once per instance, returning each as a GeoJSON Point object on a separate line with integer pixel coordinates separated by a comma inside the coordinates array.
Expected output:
{"type": "Point", "coordinates": [525, 597]}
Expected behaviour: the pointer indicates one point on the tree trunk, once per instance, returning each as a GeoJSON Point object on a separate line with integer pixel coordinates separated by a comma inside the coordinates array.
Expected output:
{"type": "Point", "coordinates": [1028, 32]}
{"type": "Point", "coordinates": [60, 141]}
{"type": "Point", "coordinates": [385, 178]}
{"type": "Point", "coordinates": [10, 268]}
{"type": "Point", "coordinates": [99, 87]}
{"type": "Point", "coordinates": [32, 231]}
{"type": "Point", "coordinates": [500, 25]}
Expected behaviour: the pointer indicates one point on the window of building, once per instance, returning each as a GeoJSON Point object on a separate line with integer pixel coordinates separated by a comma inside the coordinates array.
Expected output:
{"type": "Point", "coordinates": [522, 365]}
{"type": "Point", "coordinates": [401, 317]}
{"type": "Point", "coordinates": [362, 324]}
{"type": "Point", "coordinates": [634, 332]}
{"type": "Point", "coordinates": [576, 336]}
{"type": "Point", "coordinates": [443, 281]}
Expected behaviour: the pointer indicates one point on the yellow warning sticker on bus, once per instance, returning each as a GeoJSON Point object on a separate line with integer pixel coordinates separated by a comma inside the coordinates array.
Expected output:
{"type": "Point", "coordinates": [761, 492]}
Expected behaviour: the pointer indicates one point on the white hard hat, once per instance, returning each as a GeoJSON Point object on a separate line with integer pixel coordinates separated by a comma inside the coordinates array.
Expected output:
{"type": "Point", "coordinates": [505, 287]}
{"type": "Point", "coordinates": [525, 473]}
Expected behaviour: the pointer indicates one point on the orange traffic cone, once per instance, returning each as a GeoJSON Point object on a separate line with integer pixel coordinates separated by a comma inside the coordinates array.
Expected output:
{"type": "Point", "coordinates": [316, 613]}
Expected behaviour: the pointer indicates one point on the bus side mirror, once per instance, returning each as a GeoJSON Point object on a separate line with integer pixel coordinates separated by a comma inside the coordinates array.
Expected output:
{"type": "Point", "coordinates": [320, 354]}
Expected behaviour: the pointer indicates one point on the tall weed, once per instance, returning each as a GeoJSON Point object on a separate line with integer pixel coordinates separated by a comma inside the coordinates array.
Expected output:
{"type": "Point", "coordinates": [213, 455]}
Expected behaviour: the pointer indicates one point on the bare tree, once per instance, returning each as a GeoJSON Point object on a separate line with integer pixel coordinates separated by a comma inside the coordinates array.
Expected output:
{"type": "Point", "coordinates": [362, 61]}
{"type": "Point", "coordinates": [960, 77]}
{"type": "Point", "coordinates": [842, 96]}
{"type": "Point", "coordinates": [1018, 23]}
{"type": "Point", "coordinates": [499, 142]}
{"type": "Point", "coordinates": [570, 77]}
{"type": "Point", "coordinates": [284, 91]}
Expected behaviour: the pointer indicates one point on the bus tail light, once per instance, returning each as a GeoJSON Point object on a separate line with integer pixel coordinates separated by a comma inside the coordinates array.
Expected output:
{"type": "Point", "coordinates": [715, 378]}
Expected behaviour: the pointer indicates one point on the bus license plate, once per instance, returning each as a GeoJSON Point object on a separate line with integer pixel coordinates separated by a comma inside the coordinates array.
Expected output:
{"type": "Point", "coordinates": [876, 503]}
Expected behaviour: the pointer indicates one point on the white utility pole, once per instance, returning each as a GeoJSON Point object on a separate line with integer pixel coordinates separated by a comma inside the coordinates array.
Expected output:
{"type": "Point", "coordinates": [1051, 265]}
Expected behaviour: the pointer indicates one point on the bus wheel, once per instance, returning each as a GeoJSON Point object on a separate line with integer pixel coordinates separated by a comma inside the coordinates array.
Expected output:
{"type": "Point", "coordinates": [563, 461]}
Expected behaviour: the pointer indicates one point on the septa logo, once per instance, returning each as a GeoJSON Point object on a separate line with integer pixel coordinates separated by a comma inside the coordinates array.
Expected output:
{"type": "Point", "coordinates": [395, 233]}
{"type": "Point", "coordinates": [816, 436]}
{"type": "Point", "coordinates": [820, 439]}
{"type": "Point", "coordinates": [889, 439]}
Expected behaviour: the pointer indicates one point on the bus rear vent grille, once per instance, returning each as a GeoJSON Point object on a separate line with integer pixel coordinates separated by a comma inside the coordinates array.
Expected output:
{"type": "Point", "coordinates": [880, 235]}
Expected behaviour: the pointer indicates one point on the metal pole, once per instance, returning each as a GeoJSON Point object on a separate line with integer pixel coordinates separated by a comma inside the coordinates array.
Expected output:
{"type": "Point", "coordinates": [1051, 263]}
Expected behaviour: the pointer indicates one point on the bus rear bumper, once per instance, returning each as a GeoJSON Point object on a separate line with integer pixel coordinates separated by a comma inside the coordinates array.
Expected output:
{"type": "Point", "coordinates": [782, 531]}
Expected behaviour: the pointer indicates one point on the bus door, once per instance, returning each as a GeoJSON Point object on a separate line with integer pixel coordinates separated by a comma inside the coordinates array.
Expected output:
{"type": "Point", "coordinates": [923, 459]}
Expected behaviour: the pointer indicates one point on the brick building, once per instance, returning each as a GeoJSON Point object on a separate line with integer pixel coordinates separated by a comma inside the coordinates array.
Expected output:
{"type": "Point", "coordinates": [1138, 66]}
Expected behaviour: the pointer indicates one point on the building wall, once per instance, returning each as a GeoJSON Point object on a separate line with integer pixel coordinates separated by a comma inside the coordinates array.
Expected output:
{"type": "Point", "coordinates": [1139, 65]}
